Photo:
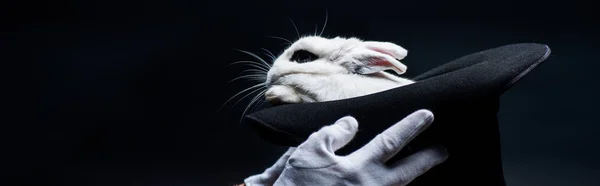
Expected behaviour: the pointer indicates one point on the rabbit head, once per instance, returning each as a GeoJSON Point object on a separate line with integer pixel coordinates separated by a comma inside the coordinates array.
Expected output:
{"type": "Point", "coordinates": [316, 69]}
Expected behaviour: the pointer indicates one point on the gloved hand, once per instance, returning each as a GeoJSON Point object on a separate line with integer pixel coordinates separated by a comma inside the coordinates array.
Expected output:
{"type": "Point", "coordinates": [315, 163]}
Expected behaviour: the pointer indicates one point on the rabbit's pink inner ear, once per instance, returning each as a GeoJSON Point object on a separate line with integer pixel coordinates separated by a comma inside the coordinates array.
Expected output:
{"type": "Point", "coordinates": [382, 51]}
{"type": "Point", "coordinates": [389, 64]}
{"type": "Point", "coordinates": [380, 62]}
{"type": "Point", "coordinates": [387, 48]}
{"type": "Point", "coordinates": [376, 62]}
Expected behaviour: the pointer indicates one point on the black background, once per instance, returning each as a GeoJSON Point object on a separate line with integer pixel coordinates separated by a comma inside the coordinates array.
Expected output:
{"type": "Point", "coordinates": [126, 92]}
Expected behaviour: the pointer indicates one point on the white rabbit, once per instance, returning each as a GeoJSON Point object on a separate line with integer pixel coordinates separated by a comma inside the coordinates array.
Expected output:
{"type": "Point", "coordinates": [317, 69]}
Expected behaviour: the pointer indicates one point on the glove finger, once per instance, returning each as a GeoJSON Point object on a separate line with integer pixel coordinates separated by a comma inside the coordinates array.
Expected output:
{"type": "Point", "coordinates": [391, 141]}
{"type": "Point", "coordinates": [279, 165]}
{"type": "Point", "coordinates": [271, 174]}
{"type": "Point", "coordinates": [411, 167]}
{"type": "Point", "coordinates": [333, 137]}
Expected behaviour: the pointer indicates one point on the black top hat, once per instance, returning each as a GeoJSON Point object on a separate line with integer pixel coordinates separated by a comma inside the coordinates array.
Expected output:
{"type": "Point", "coordinates": [462, 94]}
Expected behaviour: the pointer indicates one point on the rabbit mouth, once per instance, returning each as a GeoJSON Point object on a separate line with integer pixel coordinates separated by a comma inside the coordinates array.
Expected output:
{"type": "Point", "coordinates": [283, 94]}
{"type": "Point", "coordinates": [280, 94]}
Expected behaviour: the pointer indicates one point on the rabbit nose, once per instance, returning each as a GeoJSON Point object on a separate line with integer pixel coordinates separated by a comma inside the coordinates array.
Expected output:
{"type": "Point", "coordinates": [269, 81]}
{"type": "Point", "coordinates": [272, 78]}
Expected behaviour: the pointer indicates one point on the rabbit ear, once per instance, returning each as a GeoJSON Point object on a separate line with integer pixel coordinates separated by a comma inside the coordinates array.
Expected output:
{"type": "Point", "coordinates": [387, 48]}
{"type": "Point", "coordinates": [377, 56]}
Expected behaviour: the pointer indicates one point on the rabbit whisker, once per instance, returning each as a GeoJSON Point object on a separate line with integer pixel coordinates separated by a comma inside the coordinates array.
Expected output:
{"type": "Point", "coordinates": [284, 39]}
{"type": "Point", "coordinates": [256, 56]}
{"type": "Point", "coordinates": [248, 94]}
{"type": "Point", "coordinates": [255, 71]}
{"type": "Point", "coordinates": [256, 77]}
{"type": "Point", "coordinates": [295, 28]}
{"type": "Point", "coordinates": [245, 90]}
{"type": "Point", "coordinates": [262, 102]}
{"type": "Point", "coordinates": [270, 54]}
{"type": "Point", "coordinates": [256, 98]}
{"type": "Point", "coordinates": [325, 24]}
{"type": "Point", "coordinates": [258, 65]}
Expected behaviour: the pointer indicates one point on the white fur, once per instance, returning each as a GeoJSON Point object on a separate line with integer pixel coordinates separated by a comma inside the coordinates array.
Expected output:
{"type": "Point", "coordinates": [333, 76]}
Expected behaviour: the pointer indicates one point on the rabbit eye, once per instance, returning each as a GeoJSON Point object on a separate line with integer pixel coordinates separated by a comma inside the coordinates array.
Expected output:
{"type": "Point", "coordinates": [303, 56]}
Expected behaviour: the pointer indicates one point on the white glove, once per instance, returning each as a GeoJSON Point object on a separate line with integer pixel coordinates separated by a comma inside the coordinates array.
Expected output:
{"type": "Point", "coordinates": [315, 163]}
